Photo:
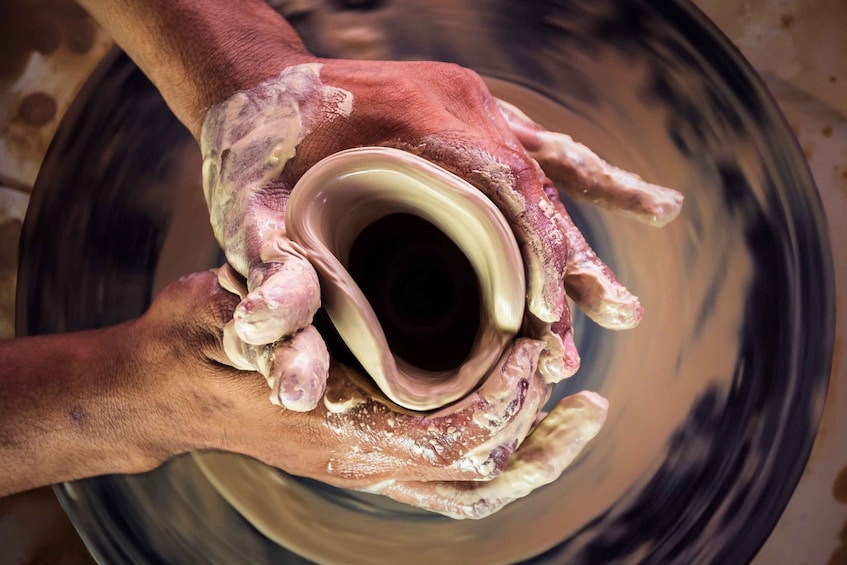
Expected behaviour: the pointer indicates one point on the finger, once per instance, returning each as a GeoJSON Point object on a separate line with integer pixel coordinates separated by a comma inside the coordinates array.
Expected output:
{"type": "Point", "coordinates": [560, 359]}
{"type": "Point", "coordinates": [505, 390]}
{"type": "Point", "coordinates": [283, 298]}
{"type": "Point", "coordinates": [542, 458]}
{"type": "Point", "coordinates": [296, 369]}
{"type": "Point", "coordinates": [585, 176]}
{"type": "Point", "coordinates": [299, 373]}
{"type": "Point", "coordinates": [561, 335]}
{"type": "Point", "coordinates": [241, 355]}
{"type": "Point", "coordinates": [514, 183]}
{"type": "Point", "coordinates": [496, 418]}
{"type": "Point", "coordinates": [470, 440]}
{"type": "Point", "coordinates": [592, 284]}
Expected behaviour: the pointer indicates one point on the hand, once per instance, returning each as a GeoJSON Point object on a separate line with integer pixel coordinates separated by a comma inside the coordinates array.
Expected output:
{"type": "Point", "coordinates": [296, 109]}
{"type": "Point", "coordinates": [584, 176]}
{"type": "Point", "coordinates": [258, 143]}
{"type": "Point", "coordinates": [463, 461]}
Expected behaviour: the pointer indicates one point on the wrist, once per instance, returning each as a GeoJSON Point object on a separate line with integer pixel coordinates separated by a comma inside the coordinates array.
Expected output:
{"type": "Point", "coordinates": [124, 410]}
{"type": "Point", "coordinates": [184, 401]}
{"type": "Point", "coordinates": [73, 406]}
{"type": "Point", "coordinates": [153, 399]}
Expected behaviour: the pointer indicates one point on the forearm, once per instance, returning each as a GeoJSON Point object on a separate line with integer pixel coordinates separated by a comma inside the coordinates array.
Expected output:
{"type": "Point", "coordinates": [199, 52]}
{"type": "Point", "coordinates": [72, 407]}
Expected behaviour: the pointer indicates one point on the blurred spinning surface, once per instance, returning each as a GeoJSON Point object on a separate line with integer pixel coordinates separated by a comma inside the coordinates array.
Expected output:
{"type": "Point", "coordinates": [715, 398]}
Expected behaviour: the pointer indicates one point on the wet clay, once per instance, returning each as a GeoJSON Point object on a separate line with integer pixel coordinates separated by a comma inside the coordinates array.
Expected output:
{"type": "Point", "coordinates": [336, 201]}
{"type": "Point", "coordinates": [652, 378]}
{"type": "Point", "coordinates": [246, 142]}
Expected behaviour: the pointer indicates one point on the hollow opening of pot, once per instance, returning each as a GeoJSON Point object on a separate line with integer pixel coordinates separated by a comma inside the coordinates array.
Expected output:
{"type": "Point", "coordinates": [422, 288]}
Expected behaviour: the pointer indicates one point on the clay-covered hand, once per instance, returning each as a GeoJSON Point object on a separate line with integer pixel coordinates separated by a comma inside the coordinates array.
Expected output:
{"type": "Point", "coordinates": [246, 143]}
{"type": "Point", "coordinates": [259, 142]}
{"type": "Point", "coordinates": [584, 176]}
{"type": "Point", "coordinates": [464, 461]}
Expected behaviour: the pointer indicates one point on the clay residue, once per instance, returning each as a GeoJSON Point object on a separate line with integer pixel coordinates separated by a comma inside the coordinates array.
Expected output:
{"type": "Point", "coordinates": [246, 142]}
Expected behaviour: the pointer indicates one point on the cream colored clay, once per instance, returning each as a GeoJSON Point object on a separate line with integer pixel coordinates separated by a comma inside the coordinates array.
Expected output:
{"type": "Point", "coordinates": [347, 191]}
{"type": "Point", "coordinates": [624, 456]}
{"type": "Point", "coordinates": [247, 140]}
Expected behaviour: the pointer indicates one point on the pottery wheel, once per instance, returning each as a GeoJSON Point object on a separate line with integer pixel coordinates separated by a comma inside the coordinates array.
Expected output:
{"type": "Point", "coordinates": [714, 399]}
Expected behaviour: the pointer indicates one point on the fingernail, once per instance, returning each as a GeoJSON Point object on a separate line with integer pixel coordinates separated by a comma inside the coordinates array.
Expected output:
{"type": "Point", "coordinates": [303, 364]}
{"type": "Point", "coordinates": [301, 393]}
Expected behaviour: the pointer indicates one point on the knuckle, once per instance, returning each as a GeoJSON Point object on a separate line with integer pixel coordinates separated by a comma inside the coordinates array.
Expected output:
{"type": "Point", "coordinates": [522, 166]}
{"type": "Point", "coordinates": [459, 77]}
{"type": "Point", "coordinates": [391, 99]}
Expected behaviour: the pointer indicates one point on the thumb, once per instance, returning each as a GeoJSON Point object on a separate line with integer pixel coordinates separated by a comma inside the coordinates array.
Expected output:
{"type": "Point", "coordinates": [295, 368]}
{"type": "Point", "coordinates": [284, 294]}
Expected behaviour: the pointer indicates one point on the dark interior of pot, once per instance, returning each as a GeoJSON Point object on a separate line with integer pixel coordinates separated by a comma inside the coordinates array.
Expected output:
{"type": "Point", "coordinates": [714, 399]}
{"type": "Point", "coordinates": [422, 288]}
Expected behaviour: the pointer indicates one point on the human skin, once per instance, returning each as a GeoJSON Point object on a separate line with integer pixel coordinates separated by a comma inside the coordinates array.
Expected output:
{"type": "Point", "coordinates": [223, 67]}
{"type": "Point", "coordinates": [201, 55]}
{"type": "Point", "coordinates": [126, 398]}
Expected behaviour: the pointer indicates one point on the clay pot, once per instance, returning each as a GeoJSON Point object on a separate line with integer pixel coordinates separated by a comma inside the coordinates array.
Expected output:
{"type": "Point", "coordinates": [421, 276]}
